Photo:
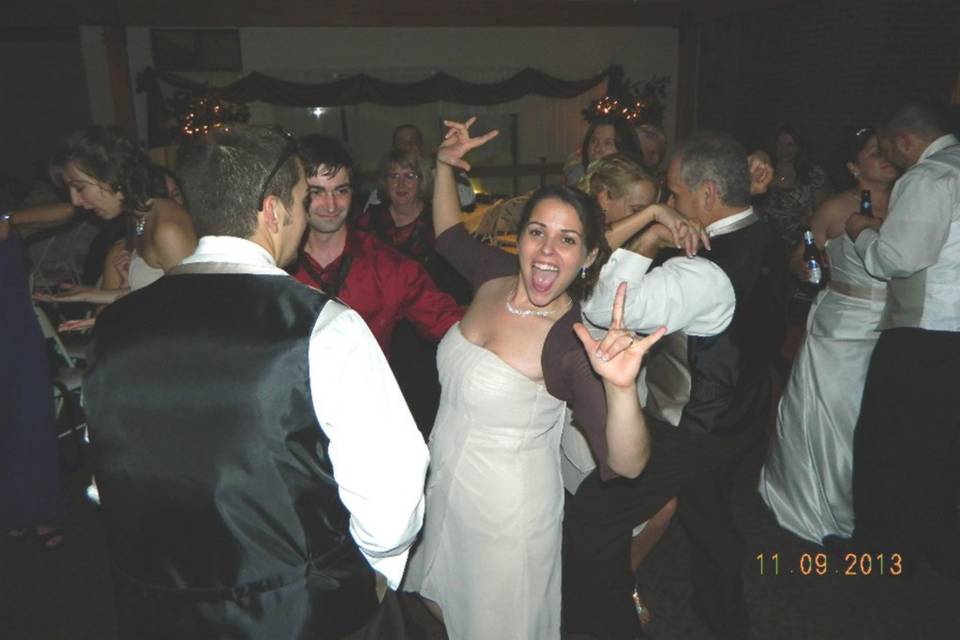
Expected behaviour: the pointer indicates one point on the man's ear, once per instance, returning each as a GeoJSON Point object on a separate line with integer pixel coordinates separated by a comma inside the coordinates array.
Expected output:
{"type": "Point", "coordinates": [903, 142]}
{"type": "Point", "coordinates": [709, 194]}
{"type": "Point", "coordinates": [270, 214]}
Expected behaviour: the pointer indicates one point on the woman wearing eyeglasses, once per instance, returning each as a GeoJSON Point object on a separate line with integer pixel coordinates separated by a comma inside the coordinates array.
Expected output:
{"type": "Point", "coordinates": [807, 478]}
{"type": "Point", "coordinates": [108, 173]}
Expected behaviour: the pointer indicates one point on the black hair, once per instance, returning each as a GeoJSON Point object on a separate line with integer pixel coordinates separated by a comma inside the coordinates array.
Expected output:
{"type": "Point", "coordinates": [397, 129]}
{"type": "Point", "coordinates": [623, 134]}
{"type": "Point", "coordinates": [852, 142]}
{"type": "Point", "coordinates": [158, 181]}
{"type": "Point", "coordinates": [326, 152]}
{"type": "Point", "coordinates": [593, 231]}
{"type": "Point", "coordinates": [224, 173]}
{"type": "Point", "coordinates": [925, 120]}
{"type": "Point", "coordinates": [802, 165]}
{"type": "Point", "coordinates": [108, 155]}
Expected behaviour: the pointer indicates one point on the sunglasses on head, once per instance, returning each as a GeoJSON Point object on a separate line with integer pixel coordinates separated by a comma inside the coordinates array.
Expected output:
{"type": "Point", "coordinates": [289, 151]}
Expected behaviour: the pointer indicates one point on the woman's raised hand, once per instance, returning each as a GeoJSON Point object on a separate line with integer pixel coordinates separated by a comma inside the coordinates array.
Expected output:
{"type": "Point", "coordinates": [617, 358]}
{"type": "Point", "coordinates": [761, 172]}
{"type": "Point", "coordinates": [686, 234]}
{"type": "Point", "coordinates": [457, 142]}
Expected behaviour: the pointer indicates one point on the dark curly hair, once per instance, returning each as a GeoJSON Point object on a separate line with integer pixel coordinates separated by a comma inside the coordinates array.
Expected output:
{"type": "Point", "coordinates": [623, 134]}
{"type": "Point", "coordinates": [852, 142]}
{"type": "Point", "coordinates": [110, 156]}
{"type": "Point", "coordinates": [593, 231]}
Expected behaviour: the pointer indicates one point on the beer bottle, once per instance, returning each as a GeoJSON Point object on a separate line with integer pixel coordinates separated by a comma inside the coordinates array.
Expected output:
{"type": "Point", "coordinates": [866, 207]}
{"type": "Point", "coordinates": [813, 260]}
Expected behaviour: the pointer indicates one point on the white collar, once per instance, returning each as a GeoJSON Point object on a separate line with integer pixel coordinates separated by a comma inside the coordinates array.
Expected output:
{"type": "Point", "coordinates": [235, 251]}
{"type": "Point", "coordinates": [718, 227]}
{"type": "Point", "coordinates": [940, 143]}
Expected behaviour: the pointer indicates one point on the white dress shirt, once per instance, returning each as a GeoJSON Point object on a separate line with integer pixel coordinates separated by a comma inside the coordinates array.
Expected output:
{"type": "Point", "coordinates": [918, 247]}
{"type": "Point", "coordinates": [379, 457]}
{"type": "Point", "coordinates": [690, 295]}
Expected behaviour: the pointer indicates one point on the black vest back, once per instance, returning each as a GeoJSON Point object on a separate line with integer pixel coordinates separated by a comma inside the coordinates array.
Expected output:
{"type": "Point", "coordinates": [222, 511]}
{"type": "Point", "coordinates": [729, 385]}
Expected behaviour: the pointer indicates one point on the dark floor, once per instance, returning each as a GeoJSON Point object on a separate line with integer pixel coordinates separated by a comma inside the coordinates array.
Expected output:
{"type": "Point", "coordinates": [66, 595]}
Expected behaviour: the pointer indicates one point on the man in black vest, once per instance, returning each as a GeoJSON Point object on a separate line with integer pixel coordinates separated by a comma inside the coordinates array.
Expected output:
{"type": "Point", "coordinates": [250, 487]}
{"type": "Point", "coordinates": [708, 398]}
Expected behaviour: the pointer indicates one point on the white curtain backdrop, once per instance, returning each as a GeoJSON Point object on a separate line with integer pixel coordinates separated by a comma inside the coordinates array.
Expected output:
{"type": "Point", "coordinates": [546, 128]}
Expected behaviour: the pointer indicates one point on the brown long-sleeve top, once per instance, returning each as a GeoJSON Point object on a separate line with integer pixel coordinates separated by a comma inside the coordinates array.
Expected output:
{"type": "Point", "coordinates": [567, 373]}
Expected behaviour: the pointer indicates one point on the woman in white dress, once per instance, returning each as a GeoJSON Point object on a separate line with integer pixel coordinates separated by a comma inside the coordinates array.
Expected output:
{"type": "Point", "coordinates": [807, 477]}
{"type": "Point", "coordinates": [489, 559]}
{"type": "Point", "coordinates": [107, 172]}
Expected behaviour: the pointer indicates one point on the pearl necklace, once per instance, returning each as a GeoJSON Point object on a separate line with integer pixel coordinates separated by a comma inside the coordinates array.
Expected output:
{"type": "Point", "coordinates": [524, 313]}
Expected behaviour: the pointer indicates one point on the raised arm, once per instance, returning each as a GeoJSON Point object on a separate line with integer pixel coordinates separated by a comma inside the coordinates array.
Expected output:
{"type": "Point", "coordinates": [456, 143]}
{"type": "Point", "coordinates": [40, 216]}
{"type": "Point", "coordinates": [684, 294]}
{"type": "Point", "coordinates": [617, 359]}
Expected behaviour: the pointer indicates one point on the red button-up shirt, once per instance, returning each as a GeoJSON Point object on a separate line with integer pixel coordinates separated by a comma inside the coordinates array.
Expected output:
{"type": "Point", "coordinates": [384, 287]}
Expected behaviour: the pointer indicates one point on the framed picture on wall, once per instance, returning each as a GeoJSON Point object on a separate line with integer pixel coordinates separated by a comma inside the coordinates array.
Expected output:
{"type": "Point", "coordinates": [196, 49]}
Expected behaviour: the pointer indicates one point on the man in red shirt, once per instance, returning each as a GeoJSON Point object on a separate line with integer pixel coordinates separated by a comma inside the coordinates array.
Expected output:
{"type": "Point", "coordinates": [380, 283]}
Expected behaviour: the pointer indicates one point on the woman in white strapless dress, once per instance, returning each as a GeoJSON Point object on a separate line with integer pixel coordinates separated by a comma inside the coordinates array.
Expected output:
{"type": "Point", "coordinates": [807, 477]}
{"type": "Point", "coordinates": [489, 558]}
{"type": "Point", "coordinates": [161, 232]}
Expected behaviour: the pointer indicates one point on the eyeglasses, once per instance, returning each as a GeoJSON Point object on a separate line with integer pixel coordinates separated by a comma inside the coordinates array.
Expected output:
{"type": "Point", "coordinates": [406, 176]}
{"type": "Point", "coordinates": [289, 151]}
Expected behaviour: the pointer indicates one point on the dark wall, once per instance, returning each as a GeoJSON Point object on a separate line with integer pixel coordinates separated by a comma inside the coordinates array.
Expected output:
{"type": "Point", "coordinates": [43, 97]}
{"type": "Point", "coordinates": [821, 66]}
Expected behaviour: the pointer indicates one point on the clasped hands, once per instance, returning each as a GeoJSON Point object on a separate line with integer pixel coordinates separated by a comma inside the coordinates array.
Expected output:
{"type": "Point", "coordinates": [671, 230]}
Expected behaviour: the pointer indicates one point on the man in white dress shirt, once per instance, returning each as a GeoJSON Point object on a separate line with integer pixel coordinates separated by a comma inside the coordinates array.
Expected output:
{"type": "Point", "coordinates": [907, 440]}
{"type": "Point", "coordinates": [250, 486]}
{"type": "Point", "coordinates": [708, 396]}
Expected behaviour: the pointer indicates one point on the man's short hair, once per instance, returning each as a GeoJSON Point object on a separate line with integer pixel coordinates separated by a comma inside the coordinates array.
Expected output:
{"type": "Point", "coordinates": [719, 158]}
{"type": "Point", "coordinates": [923, 120]}
{"type": "Point", "coordinates": [327, 153]}
{"type": "Point", "coordinates": [399, 128]}
{"type": "Point", "coordinates": [224, 172]}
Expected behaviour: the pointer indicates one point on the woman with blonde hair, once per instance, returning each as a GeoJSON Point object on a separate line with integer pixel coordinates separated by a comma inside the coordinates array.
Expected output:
{"type": "Point", "coordinates": [624, 191]}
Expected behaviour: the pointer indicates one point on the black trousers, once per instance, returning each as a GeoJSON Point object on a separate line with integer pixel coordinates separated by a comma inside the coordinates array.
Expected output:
{"type": "Point", "coordinates": [599, 519]}
{"type": "Point", "coordinates": [906, 450]}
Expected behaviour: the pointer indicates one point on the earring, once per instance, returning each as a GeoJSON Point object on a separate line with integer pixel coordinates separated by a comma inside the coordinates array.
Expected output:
{"type": "Point", "coordinates": [583, 272]}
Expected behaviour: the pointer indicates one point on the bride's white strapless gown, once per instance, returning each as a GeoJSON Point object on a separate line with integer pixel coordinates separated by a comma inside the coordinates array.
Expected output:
{"type": "Point", "coordinates": [490, 551]}
{"type": "Point", "coordinates": [807, 477]}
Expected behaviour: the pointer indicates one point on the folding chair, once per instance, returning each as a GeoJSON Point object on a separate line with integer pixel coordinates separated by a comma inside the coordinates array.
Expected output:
{"type": "Point", "coordinates": [67, 381]}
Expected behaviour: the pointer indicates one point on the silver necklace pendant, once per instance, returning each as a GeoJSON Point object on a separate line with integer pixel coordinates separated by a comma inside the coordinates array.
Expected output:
{"type": "Point", "coordinates": [141, 225]}
{"type": "Point", "coordinates": [524, 313]}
